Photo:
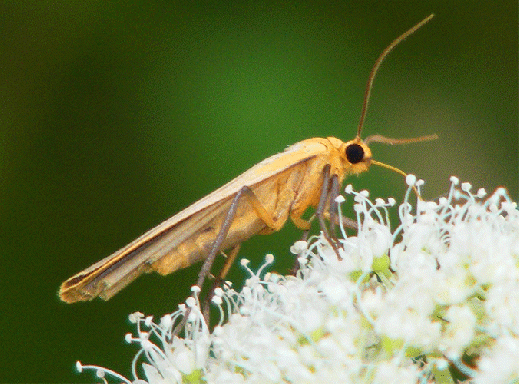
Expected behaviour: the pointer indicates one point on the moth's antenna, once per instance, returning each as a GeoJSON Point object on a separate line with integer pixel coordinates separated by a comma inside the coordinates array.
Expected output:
{"type": "Point", "coordinates": [377, 66]}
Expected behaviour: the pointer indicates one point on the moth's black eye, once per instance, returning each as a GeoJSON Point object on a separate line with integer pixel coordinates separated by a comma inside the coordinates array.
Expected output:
{"type": "Point", "coordinates": [354, 153]}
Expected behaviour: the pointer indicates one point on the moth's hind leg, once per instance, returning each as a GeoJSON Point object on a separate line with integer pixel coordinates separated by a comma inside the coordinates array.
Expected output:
{"type": "Point", "coordinates": [229, 261]}
{"type": "Point", "coordinates": [208, 263]}
{"type": "Point", "coordinates": [271, 225]}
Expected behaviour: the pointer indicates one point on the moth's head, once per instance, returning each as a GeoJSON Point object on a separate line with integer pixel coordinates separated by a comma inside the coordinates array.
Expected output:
{"type": "Point", "coordinates": [356, 156]}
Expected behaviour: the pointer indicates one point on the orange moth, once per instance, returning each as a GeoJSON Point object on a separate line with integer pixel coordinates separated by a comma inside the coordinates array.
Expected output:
{"type": "Point", "coordinates": [259, 201]}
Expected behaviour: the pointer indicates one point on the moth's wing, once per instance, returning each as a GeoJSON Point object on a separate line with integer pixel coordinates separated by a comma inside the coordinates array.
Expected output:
{"type": "Point", "coordinates": [108, 276]}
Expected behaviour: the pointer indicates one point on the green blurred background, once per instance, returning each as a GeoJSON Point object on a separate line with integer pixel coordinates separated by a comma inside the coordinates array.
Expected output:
{"type": "Point", "coordinates": [116, 115]}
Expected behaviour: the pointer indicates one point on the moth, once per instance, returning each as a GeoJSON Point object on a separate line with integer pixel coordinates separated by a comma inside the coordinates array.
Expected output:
{"type": "Point", "coordinates": [259, 201]}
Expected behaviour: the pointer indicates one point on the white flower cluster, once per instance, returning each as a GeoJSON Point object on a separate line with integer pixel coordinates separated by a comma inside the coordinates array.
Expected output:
{"type": "Point", "coordinates": [436, 300]}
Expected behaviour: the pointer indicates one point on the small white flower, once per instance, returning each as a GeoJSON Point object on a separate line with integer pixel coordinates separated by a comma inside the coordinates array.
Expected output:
{"type": "Point", "coordinates": [459, 331]}
{"type": "Point", "coordinates": [498, 363]}
{"type": "Point", "coordinates": [410, 180]}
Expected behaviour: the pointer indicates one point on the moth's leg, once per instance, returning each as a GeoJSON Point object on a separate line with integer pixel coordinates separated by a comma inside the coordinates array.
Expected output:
{"type": "Point", "coordinates": [263, 214]}
{"type": "Point", "coordinates": [273, 225]}
{"type": "Point", "coordinates": [208, 263]}
{"type": "Point", "coordinates": [346, 221]}
{"type": "Point", "coordinates": [304, 225]}
{"type": "Point", "coordinates": [259, 209]}
{"type": "Point", "coordinates": [218, 280]}
{"type": "Point", "coordinates": [322, 199]}
{"type": "Point", "coordinates": [301, 223]}
{"type": "Point", "coordinates": [222, 234]}
{"type": "Point", "coordinates": [319, 212]}
{"type": "Point", "coordinates": [228, 263]}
